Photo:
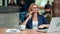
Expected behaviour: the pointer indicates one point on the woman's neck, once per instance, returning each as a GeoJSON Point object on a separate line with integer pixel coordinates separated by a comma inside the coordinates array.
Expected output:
{"type": "Point", "coordinates": [35, 13]}
{"type": "Point", "coordinates": [35, 17]}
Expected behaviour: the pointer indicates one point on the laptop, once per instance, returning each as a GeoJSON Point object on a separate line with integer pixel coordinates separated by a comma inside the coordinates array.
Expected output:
{"type": "Point", "coordinates": [54, 25]}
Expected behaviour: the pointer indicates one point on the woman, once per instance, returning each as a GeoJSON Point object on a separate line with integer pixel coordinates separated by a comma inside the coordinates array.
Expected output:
{"type": "Point", "coordinates": [34, 19]}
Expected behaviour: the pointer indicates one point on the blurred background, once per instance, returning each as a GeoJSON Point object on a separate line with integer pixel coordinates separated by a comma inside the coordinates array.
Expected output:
{"type": "Point", "coordinates": [12, 11]}
{"type": "Point", "coordinates": [55, 4]}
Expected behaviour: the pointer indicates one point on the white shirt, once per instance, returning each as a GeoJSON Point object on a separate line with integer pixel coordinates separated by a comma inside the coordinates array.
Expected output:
{"type": "Point", "coordinates": [35, 25]}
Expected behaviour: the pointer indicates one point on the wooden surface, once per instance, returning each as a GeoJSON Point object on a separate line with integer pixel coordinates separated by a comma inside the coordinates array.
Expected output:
{"type": "Point", "coordinates": [27, 31]}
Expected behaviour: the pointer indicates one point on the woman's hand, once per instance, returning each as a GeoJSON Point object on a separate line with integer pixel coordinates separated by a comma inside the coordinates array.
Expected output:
{"type": "Point", "coordinates": [44, 25]}
{"type": "Point", "coordinates": [30, 14]}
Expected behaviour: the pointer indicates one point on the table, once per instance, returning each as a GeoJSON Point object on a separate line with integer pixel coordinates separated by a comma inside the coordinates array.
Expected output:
{"type": "Point", "coordinates": [27, 31]}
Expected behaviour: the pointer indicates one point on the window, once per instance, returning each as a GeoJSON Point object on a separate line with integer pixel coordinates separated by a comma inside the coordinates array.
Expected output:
{"type": "Point", "coordinates": [0, 2]}
{"type": "Point", "coordinates": [43, 2]}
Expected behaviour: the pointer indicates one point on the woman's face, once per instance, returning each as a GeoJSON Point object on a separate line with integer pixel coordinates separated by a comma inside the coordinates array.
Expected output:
{"type": "Point", "coordinates": [34, 8]}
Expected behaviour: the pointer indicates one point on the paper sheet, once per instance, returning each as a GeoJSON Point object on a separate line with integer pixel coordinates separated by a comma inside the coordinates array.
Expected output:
{"type": "Point", "coordinates": [12, 30]}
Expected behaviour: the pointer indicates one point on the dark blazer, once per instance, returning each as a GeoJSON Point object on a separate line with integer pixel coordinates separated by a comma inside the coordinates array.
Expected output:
{"type": "Point", "coordinates": [41, 20]}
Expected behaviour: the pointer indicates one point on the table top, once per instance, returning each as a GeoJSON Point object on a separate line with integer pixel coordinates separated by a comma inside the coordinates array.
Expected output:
{"type": "Point", "coordinates": [27, 31]}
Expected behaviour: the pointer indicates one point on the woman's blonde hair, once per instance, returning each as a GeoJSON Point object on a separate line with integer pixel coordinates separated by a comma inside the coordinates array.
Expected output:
{"type": "Point", "coordinates": [30, 8]}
